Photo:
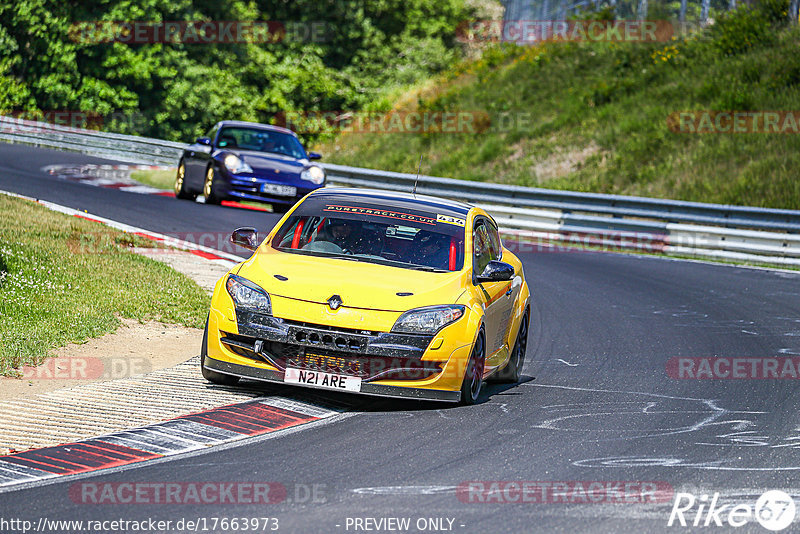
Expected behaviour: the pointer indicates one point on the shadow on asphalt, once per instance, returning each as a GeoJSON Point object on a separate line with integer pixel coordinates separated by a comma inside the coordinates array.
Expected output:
{"type": "Point", "coordinates": [353, 402]}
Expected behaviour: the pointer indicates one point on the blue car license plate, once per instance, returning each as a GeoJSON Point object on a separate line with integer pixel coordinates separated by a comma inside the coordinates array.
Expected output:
{"type": "Point", "coordinates": [279, 190]}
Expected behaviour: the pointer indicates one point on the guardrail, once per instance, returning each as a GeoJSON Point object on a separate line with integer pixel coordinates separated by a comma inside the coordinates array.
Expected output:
{"type": "Point", "coordinates": [591, 220]}
{"type": "Point", "coordinates": [615, 205]}
{"type": "Point", "coordinates": [544, 227]}
{"type": "Point", "coordinates": [126, 148]}
{"type": "Point", "coordinates": [539, 216]}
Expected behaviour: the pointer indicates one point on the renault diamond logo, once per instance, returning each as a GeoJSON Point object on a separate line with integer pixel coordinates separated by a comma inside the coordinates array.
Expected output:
{"type": "Point", "coordinates": [335, 301]}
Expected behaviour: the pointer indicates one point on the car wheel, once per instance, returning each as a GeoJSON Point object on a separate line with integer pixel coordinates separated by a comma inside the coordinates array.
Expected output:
{"type": "Point", "coordinates": [180, 184]}
{"type": "Point", "coordinates": [473, 376]}
{"type": "Point", "coordinates": [209, 191]}
{"type": "Point", "coordinates": [510, 374]}
{"type": "Point", "coordinates": [208, 374]}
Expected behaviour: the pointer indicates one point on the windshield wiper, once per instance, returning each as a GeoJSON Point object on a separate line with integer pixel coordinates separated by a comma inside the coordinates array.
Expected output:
{"type": "Point", "coordinates": [426, 268]}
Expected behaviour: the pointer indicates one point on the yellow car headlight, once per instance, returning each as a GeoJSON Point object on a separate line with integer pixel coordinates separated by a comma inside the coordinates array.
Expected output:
{"type": "Point", "coordinates": [247, 295]}
{"type": "Point", "coordinates": [428, 320]}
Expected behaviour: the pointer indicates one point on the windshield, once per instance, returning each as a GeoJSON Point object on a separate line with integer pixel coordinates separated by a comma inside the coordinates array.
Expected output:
{"type": "Point", "coordinates": [259, 140]}
{"type": "Point", "coordinates": [374, 234]}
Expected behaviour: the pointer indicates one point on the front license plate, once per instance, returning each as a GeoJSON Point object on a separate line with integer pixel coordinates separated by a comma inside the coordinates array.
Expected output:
{"type": "Point", "coordinates": [322, 380]}
{"type": "Point", "coordinates": [280, 190]}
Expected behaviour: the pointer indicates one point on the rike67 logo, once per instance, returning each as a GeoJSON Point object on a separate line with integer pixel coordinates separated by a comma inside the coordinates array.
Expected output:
{"type": "Point", "coordinates": [774, 510]}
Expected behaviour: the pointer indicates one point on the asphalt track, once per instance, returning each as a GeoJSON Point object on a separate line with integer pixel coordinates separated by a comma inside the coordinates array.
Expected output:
{"type": "Point", "coordinates": [596, 403]}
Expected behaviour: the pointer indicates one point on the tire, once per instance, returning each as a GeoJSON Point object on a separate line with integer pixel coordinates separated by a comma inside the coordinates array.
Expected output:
{"type": "Point", "coordinates": [473, 375]}
{"type": "Point", "coordinates": [213, 376]}
{"type": "Point", "coordinates": [209, 191]}
{"type": "Point", "coordinates": [180, 184]}
{"type": "Point", "coordinates": [510, 374]}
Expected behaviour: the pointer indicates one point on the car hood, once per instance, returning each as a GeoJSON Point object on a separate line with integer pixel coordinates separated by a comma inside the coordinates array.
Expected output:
{"type": "Point", "coordinates": [261, 161]}
{"type": "Point", "coordinates": [360, 285]}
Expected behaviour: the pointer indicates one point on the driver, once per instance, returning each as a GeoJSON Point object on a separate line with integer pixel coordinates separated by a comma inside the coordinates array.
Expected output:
{"type": "Point", "coordinates": [344, 233]}
{"type": "Point", "coordinates": [431, 249]}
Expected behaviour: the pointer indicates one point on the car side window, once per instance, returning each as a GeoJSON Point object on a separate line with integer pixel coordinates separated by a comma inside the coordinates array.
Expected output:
{"type": "Point", "coordinates": [495, 246]}
{"type": "Point", "coordinates": [227, 138]}
{"type": "Point", "coordinates": [481, 244]}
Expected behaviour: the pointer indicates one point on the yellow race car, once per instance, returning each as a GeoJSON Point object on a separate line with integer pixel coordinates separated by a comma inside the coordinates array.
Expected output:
{"type": "Point", "coordinates": [372, 292]}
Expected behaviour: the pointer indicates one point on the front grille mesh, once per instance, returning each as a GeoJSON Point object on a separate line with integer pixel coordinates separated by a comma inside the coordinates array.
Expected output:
{"type": "Point", "coordinates": [319, 358]}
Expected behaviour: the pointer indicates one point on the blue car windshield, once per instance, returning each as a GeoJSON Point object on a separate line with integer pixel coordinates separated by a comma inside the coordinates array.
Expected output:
{"type": "Point", "coordinates": [373, 234]}
{"type": "Point", "coordinates": [259, 140]}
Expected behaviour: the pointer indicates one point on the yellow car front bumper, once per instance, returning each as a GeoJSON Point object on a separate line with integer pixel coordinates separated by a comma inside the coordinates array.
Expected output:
{"type": "Point", "coordinates": [261, 347]}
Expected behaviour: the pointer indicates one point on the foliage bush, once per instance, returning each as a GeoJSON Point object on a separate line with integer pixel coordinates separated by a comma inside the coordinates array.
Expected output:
{"type": "Point", "coordinates": [741, 29]}
{"type": "Point", "coordinates": [178, 90]}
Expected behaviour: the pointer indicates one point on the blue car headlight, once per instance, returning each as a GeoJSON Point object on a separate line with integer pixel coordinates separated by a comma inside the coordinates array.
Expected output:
{"type": "Point", "coordinates": [247, 295]}
{"type": "Point", "coordinates": [235, 164]}
{"type": "Point", "coordinates": [313, 174]}
{"type": "Point", "coordinates": [428, 320]}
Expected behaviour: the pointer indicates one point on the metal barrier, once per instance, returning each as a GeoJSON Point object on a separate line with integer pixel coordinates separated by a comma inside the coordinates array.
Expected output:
{"type": "Point", "coordinates": [615, 205]}
{"type": "Point", "coordinates": [738, 233]}
{"type": "Point", "coordinates": [126, 148]}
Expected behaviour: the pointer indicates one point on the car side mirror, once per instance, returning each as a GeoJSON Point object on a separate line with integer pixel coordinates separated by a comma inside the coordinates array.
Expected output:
{"type": "Point", "coordinates": [245, 237]}
{"type": "Point", "coordinates": [314, 155]}
{"type": "Point", "coordinates": [496, 271]}
{"type": "Point", "coordinates": [203, 141]}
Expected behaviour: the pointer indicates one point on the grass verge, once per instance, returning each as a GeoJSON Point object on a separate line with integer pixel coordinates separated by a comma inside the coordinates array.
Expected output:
{"type": "Point", "coordinates": [65, 280]}
{"type": "Point", "coordinates": [595, 117]}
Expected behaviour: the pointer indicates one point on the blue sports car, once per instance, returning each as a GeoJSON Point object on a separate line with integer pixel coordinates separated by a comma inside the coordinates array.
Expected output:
{"type": "Point", "coordinates": [248, 161]}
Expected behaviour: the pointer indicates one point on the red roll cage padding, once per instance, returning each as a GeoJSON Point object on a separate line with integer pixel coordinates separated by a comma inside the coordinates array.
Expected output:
{"type": "Point", "coordinates": [452, 260]}
{"type": "Point", "coordinates": [298, 231]}
{"type": "Point", "coordinates": [317, 228]}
